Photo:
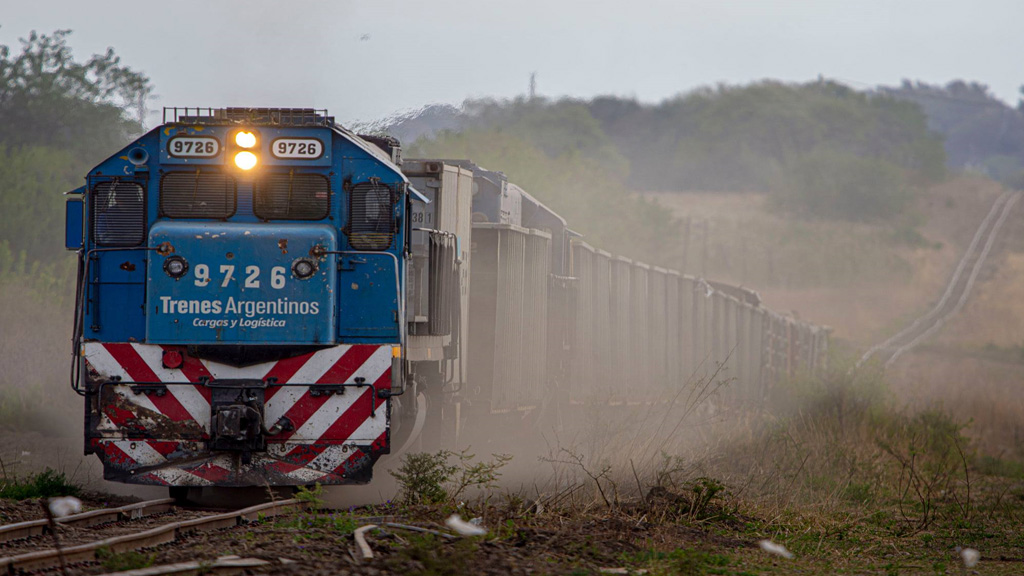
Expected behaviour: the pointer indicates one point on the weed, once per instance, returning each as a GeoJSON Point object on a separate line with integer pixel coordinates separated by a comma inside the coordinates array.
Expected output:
{"type": "Point", "coordinates": [999, 467]}
{"type": "Point", "coordinates": [46, 484]}
{"type": "Point", "coordinates": [313, 497]}
{"type": "Point", "coordinates": [427, 478]}
{"type": "Point", "coordinates": [122, 561]}
{"type": "Point", "coordinates": [425, 554]}
{"type": "Point", "coordinates": [601, 478]}
{"type": "Point", "coordinates": [681, 561]}
{"type": "Point", "coordinates": [929, 450]}
{"type": "Point", "coordinates": [858, 492]}
{"type": "Point", "coordinates": [705, 491]}
{"type": "Point", "coordinates": [479, 474]}
{"type": "Point", "coordinates": [507, 531]}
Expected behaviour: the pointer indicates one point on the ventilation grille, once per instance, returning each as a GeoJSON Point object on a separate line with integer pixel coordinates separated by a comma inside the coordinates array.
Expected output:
{"type": "Point", "coordinates": [118, 214]}
{"type": "Point", "coordinates": [444, 283]}
{"type": "Point", "coordinates": [292, 197]}
{"type": "Point", "coordinates": [371, 216]}
{"type": "Point", "coordinates": [197, 195]}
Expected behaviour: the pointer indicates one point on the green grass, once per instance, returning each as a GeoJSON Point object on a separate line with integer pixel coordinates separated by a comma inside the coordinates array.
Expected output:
{"type": "Point", "coordinates": [682, 561]}
{"type": "Point", "coordinates": [122, 561]}
{"type": "Point", "coordinates": [46, 484]}
{"type": "Point", "coordinates": [993, 466]}
{"type": "Point", "coordinates": [428, 555]}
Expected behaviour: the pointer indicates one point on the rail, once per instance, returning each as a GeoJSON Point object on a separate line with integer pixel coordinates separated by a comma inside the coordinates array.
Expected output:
{"type": "Point", "coordinates": [32, 528]}
{"type": "Point", "coordinates": [957, 291]}
{"type": "Point", "coordinates": [160, 535]}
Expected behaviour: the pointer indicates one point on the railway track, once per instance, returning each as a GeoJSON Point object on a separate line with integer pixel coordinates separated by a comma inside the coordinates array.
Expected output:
{"type": "Point", "coordinates": [23, 547]}
{"type": "Point", "coordinates": [957, 291]}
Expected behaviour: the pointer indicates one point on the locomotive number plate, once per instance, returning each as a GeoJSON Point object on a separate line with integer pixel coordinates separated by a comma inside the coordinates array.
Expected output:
{"type": "Point", "coordinates": [297, 148]}
{"type": "Point", "coordinates": [193, 147]}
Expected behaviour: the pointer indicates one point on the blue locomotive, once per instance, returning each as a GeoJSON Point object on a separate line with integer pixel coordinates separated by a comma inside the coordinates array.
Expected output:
{"type": "Point", "coordinates": [266, 298]}
{"type": "Point", "coordinates": [240, 301]}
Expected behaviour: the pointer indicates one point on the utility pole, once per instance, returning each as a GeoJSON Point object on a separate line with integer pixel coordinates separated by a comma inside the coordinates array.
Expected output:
{"type": "Point", "coordinates": [704, 251]}
{"type": "Point", "coordinates": [686, 244]}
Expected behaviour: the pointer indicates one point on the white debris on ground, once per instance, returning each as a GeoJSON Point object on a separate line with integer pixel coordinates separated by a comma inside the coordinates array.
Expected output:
{"type": "Point", "coordinates": [359, 535]}
{"type": "Point", "coordinates": [970, 556]}
{"type": "Point", "coordinates": [777, 549]}
{"type": "Point", "coordinates": [66, 506]}
{"type": "Point", "coordinates": [455, 522]}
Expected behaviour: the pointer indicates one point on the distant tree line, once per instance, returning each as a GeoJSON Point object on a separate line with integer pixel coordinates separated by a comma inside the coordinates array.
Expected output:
{"type": "Point", "coordinates": [982, 133]}
{"type": "Point", "coordinates": [559, 154]}
{"type": "Point", "coordinates": [819, 148]}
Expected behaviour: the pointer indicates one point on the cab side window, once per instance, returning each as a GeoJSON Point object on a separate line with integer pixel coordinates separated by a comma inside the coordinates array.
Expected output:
{"type": "Point", "coordinates": [118, 214]}
{"type": "Point", "coordinates": [371, 216]}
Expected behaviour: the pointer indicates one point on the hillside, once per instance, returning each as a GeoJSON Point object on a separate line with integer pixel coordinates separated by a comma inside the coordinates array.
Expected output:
{"type": "Point", "coordinates": [860, 278]}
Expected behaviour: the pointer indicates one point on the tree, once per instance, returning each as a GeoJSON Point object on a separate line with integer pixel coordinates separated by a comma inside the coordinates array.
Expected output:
{"type": "Point", "coordinates": [48, 99]}
{"type": "Point", "coordinates": [59, 117]}
{"type": "Point", "coordinates": [981, 132]}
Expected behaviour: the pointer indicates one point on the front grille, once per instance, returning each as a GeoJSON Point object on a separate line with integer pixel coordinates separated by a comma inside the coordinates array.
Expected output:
{"type": "Point", "coordinates": [197, 195]}
{"type": "Point", "coordinates": [292, 197]}
{"type": "Point", "coordinates": [118, 214]}
{"type": "Point", "coordinates": [371, 216]}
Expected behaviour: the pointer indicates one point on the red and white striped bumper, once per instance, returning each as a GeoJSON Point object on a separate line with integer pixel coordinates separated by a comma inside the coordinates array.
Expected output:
{"type": "Point", "coordinates": [152, 425]}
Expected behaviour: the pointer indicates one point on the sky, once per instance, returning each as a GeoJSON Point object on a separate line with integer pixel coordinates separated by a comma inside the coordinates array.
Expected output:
{"type": "Point", "coordinates": [366, 59]}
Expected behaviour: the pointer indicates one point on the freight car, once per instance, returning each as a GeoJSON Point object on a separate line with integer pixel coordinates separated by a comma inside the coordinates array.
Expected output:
{"type": "Point", "coordinates": [266, 298]}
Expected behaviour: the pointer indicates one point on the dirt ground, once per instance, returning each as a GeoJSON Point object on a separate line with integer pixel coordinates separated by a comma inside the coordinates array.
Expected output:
{"type": "Point", "coordinates": [664, 533]}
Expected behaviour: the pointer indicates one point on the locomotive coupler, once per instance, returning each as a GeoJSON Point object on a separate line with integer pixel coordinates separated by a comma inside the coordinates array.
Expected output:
{"type": "Point", "coordinates": [237, 411]}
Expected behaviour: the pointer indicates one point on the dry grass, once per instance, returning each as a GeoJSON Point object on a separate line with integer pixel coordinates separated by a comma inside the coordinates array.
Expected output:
{"type": "Point", "coordinates": [832, 468]}
{"type": "Point", "coordinates": [983, 391]}
{"type": "Point", "coordinates": [994, 315]}
{"type": "Point", "coordinates": [864, 280]}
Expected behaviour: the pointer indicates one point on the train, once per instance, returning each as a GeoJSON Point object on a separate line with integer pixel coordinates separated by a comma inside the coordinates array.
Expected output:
{"type": "Point", "coordinates": [266, 298]}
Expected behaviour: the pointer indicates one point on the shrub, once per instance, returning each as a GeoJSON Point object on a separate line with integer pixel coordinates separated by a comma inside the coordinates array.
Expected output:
{"type": "Point", "coordinates": [443, 476]}
{"type": "Point", "coordinates": [840, 185]}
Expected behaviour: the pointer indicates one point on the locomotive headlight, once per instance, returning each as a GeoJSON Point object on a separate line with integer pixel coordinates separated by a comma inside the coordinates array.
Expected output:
{"type": "Point", "coordinates": [303, 268]}
{"type": "Point", "coordinates": [245, 139]}
{"type": "Point", "coordinates": [175, 266]}
{"type": "Point", "coordinates": [246, 160]}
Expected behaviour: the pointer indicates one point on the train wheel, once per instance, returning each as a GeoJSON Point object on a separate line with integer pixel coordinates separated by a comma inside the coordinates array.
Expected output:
{"type": "Point", "coordinates": [442, 423]}
{"type": "Point", "coordinates": [227, 498]}
{"type": "Point", "coordinates": [179, 493]}
{"type": "Point", "coordinates": [413, 420]}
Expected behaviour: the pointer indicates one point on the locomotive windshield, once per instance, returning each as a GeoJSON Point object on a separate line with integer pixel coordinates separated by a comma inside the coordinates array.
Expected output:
{"type": "Point", "coordinates": [291, 196]}
{"type": "Point", "coordinates": [198, 194]}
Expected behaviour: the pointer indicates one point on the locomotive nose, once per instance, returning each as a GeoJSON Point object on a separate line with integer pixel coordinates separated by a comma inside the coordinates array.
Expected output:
{"type": "Point", "coordinates": [236, 283]}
